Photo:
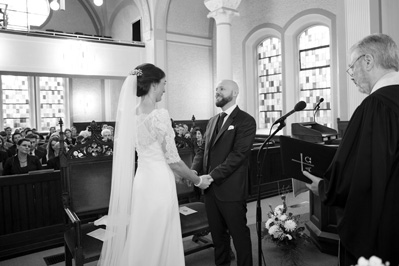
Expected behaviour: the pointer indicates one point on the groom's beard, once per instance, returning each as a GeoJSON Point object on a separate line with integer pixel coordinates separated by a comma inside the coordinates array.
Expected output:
{"type": "Point", "coordinates": [224, 100]}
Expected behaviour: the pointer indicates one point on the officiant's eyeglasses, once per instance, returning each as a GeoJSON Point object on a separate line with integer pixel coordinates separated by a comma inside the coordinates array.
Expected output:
{"type": "Point", "coordinates": [350, 69]}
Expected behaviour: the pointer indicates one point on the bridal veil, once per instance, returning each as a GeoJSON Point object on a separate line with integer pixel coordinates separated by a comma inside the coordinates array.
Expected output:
{"type": "Point", "coordinates": [123, 170]}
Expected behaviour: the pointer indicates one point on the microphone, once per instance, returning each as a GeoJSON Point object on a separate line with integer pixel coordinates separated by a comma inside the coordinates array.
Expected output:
{"type": "Point", "coordinates": [298, 107]}
{"type": "Point", "coordinates": [318, 104]}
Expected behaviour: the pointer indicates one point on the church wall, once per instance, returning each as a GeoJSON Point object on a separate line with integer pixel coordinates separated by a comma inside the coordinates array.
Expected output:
{"type": "Point", "coordinates": [112, 91]}
{"type": "Point", "coordinates": [121, 23]}
{"type": "Point", "coordinates": [66, 56]}
{"type": "Point", "coordinates": [188, 17]}
{"type": "Point", "coordinates": [189, 88]}
{"type": "Point", "coordinates": [94, 99]}
{"type": "Point", "coordinates": [189, 58]}
{"type": "Point", "coordinates": [87, 100]}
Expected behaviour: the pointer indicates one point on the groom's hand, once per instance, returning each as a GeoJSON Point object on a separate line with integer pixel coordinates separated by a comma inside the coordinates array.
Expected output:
{"type": "Point", "coordinates": [206, 181]}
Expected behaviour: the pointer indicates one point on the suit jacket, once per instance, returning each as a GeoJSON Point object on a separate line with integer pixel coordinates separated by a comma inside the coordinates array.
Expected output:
{"type": "Point", "coordinates": [12, 150]}
{"type": "Point", "coordinates": [226, 156]}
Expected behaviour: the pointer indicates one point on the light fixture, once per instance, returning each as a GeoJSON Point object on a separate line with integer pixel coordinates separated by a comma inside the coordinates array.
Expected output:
{"type": "Point", "coordinates": [54, 5]}
{"type": "Point", "coordinates": [98, 2]}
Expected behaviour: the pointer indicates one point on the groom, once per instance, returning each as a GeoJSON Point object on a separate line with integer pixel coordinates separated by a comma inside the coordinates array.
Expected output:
{"type": "Point", "coordinates": [228, 142]}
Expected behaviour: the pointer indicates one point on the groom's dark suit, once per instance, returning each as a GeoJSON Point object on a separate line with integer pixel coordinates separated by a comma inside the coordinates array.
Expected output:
{"type": "Point", "coordinates": [225, 158]}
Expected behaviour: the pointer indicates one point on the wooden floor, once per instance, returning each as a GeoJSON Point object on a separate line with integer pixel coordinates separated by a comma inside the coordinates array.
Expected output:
{"type": "Point", "coordinates": [203, 258]}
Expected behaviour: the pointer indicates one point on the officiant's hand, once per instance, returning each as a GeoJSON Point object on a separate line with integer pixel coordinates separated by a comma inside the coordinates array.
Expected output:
{"type": "Point", "coordinates": [206, 181]}
{"type": "Point", "coordinates": [314, 186]}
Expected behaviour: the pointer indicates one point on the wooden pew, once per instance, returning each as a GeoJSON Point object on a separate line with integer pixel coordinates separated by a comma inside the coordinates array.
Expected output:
{"type": "Point", "coordinates": [86, 171]}
{"type": "Point", "coordinates": [31, 215]}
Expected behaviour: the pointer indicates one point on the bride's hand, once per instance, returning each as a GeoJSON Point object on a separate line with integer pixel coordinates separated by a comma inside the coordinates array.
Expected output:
{"type": "Point", "coordinates": [206, 181]}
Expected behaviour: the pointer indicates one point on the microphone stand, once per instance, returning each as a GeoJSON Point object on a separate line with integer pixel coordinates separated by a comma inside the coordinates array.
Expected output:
{"type": "Point", "coordinates": [314, 113]}
{"type": "Point", "coordinates": [258, 205]}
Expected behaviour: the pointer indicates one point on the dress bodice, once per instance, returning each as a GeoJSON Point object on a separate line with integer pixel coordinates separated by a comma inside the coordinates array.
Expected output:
{"type": "Point", "coordinates": [155, 137]}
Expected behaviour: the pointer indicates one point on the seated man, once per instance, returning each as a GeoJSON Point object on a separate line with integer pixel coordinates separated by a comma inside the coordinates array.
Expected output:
{"type": "Point", "coordinates": [12, 150]}
{"type": "Point", "coordinates": [36, 150]}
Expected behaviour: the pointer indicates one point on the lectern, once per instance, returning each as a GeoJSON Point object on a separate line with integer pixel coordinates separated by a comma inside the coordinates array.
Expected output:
{"type": "Point", "coordinates": [313, 132]}
{"type": "Point", "coordinates": [322, 223]}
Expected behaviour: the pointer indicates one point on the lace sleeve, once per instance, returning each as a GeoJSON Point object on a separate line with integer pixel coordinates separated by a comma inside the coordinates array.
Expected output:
{"type": "Point", "coordinates": [166, 136]}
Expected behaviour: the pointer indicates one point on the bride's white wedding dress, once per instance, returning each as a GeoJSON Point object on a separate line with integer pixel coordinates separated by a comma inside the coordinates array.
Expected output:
{"type": "Point", "coordinates": [154, 236]}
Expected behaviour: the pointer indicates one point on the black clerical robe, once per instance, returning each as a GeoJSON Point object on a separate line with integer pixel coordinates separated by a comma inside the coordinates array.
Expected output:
{"type": "Point", "coordinates": [363, 179]}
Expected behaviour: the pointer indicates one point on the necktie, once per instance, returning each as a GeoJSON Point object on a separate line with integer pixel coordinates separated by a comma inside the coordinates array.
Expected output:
{"type": "Point", "coordinates": [220, 122]}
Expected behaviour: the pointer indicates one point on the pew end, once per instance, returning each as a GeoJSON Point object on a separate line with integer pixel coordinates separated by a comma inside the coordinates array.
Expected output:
{"type": "Point", "coordinates": [86, 173]}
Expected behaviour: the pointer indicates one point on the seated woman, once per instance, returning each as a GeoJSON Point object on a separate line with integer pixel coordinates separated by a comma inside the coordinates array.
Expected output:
{"type": "Point", "coordinates": [3, 154]}
{"type": "Point", "coordinates": [50, 146]}
{"type": "Point", "coordinates": [54, 163]}
{"type": "Point", "coordinates": [70, 141]}
{"type": "Point", "coordinates": [106, 135]}
{"type": "Point", "coordinates": [22, 162]}
{"type": "Point", "coordinates": [198, 141]}
{"type": "Point", "coordinates": [111, 128]}
{"type": "Point", "coordinates": [74, 132]}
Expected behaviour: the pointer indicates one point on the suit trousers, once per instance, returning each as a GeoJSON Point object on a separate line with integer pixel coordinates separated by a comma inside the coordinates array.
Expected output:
{"type": "Point", "coordinates": [228, 218]}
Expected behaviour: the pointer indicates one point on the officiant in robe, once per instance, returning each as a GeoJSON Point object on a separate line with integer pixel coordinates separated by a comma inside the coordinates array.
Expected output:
{"type": "Point", "coordinates": [363, 180]}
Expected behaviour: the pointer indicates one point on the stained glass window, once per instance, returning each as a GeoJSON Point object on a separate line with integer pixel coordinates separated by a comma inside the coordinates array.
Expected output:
{"type": "Point", "coordinates": [315, 74]}
{"type": "Point", "coordinates": [52, 106]}
{"type": "Point", "coordinates": [16, 108]}
{"type": "Point", "coordinates": [269, 82]}
{"type": "Point", "coordinates": [30, 99]}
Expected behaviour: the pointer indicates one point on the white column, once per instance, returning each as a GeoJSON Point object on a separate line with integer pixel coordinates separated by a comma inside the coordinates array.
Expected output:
{"type": "Point", "coordinates": [223, 18]}
{"type": "Point", "coordinates": [360, 17]}
{"type": "Point", "coordinates": [223, 11]}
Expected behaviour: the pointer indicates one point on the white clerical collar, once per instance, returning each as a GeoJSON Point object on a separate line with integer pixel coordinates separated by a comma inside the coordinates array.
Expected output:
{"type": "Point", "coordinates": [391, 78]}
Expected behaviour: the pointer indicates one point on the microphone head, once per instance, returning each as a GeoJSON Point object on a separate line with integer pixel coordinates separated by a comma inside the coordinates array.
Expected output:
{"type": "Point", "coordinates": [321, 100]}
{"type": "Point", "coordinates": [300, 106]}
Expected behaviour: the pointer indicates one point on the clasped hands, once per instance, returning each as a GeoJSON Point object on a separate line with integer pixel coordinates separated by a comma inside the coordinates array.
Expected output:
{"type": "Point", "coordinates": [205, 182]}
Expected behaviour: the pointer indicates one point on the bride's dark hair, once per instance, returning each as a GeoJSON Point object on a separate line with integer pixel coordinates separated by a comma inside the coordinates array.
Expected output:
{"type": "Point", "coordinates": [149, 74]}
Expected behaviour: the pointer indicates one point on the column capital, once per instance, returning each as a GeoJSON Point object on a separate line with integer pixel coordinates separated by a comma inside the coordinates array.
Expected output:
{"type": "Point", "coordinates": [223, 15]}
{"type": "Point", "coordinates": [212, 5]}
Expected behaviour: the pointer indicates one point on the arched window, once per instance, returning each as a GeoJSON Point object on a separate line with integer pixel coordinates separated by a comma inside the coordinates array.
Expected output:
{"type": "Point", "coordinates": [269, 82]}
{"type": "Point", "coordinates": [22, 14]}
{"type": "Point", "coordinates": [315, 74]}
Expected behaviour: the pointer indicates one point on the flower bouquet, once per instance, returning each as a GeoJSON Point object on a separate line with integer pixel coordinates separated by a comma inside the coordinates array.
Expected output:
{"type": "Point", "coordinates": [373, 261]}
{"type": "Point", "coordinates": [285, 231]}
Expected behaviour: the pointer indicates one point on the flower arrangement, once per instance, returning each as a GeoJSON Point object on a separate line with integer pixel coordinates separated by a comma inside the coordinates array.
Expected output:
{"type": "Point", "coordinates": [283, 228]}
{"type": "Point", "coordinates": [373, 261]}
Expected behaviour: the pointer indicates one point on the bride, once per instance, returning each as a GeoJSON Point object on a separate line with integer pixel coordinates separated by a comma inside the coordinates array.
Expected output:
{"type": "Point", "coordinates": [143, 224]}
